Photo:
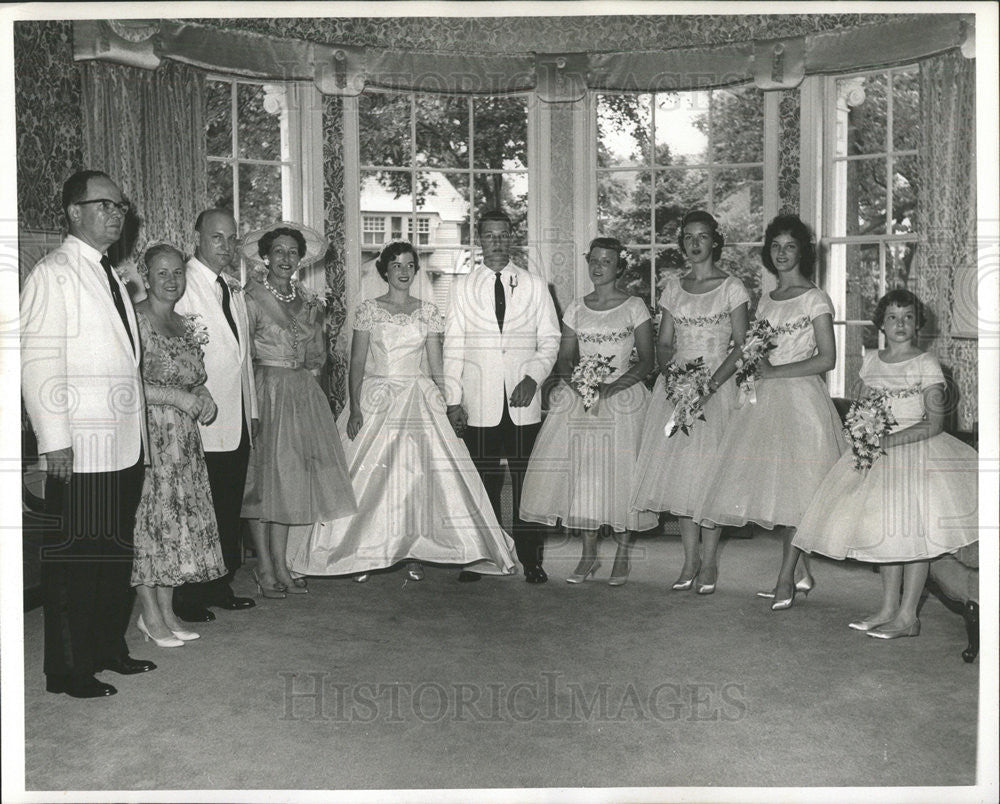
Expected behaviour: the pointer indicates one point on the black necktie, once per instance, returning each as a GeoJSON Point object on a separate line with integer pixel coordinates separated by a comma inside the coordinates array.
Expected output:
{"type": "Point", "coordinates": [116, 294]}
{"type": "Point", "coordinates": [498, 299]}
{"type": "Point", "coordinates": [225, 306]}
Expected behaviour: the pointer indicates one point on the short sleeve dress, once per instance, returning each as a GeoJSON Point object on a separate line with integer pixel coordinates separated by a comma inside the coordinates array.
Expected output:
{"type": "Point", "coordinates": [918, 501]}
{"type": "Point", "coordinates": [582, 463]}
{"type": "Point", "coordinates": [176, 537]}
{"type": "Point", "coordinates": [777, 449]}
{"type": "Point", "coordinates": [669, 474]}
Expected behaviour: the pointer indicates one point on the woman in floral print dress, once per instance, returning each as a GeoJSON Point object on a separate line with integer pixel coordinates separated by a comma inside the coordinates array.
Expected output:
{"type": "Point", "coordinates": [176, 537]}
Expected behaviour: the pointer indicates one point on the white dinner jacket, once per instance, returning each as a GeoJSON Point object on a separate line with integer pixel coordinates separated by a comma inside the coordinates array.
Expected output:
{"type": "Point", "coordinates": [227, 362]}
{"type": "Point", "coordinates": [80, 375]}
{"type": "Point", "coordinates": [482, 365]}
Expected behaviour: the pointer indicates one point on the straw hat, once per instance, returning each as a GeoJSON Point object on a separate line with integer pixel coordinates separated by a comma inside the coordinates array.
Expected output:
{"type": "Point", "coordinates": [315, 243]}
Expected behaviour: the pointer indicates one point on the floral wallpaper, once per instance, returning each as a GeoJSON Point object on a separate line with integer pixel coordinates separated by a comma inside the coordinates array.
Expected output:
{"type": "Point", "coordinates": [547, 34]}
{"type": "Point", "coordinates": [788, 152]}
{"type": "Point", "coordinates": [333, 204]}
{"type": "Point", "coordinates": [47, 93]}
{"type": "Point", "coordinates": [559, 218]}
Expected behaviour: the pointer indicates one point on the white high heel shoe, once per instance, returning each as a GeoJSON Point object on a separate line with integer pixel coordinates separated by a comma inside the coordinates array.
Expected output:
{"type": "Point", "coordinates": [185, 636]}
{"type": "Point", "coordinates": [166, 642]}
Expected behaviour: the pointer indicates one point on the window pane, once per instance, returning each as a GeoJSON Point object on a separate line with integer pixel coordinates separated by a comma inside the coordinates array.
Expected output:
{"type": "Point", "coordinates": [864, 98]}
{"type": "Point", "coordinates": [623, 206]}
{"type": "Point", "coordinates": [623, 129]}
{"type": "Point", "coordinates": [442, 131]}
{"type": "Point", "coordinates": [864, 280]}
{"type": "Point", "coordinates": [739, 203]}
{"type": "Point", "coordinates": [738, 125]}
{"type": "Point", "coordinates": [906, 110]}
{"type": "Point", "coordinates": [677, 192]}
{"type": "Point", "coordinates": [669, 262]}
{"type": "Point", "coordinates": [258, 131]}
{"type": "Point", "coordinates": [448, 199]}
{"type": "Point", "coordinates": [898, 262]}
{"type": "Point", "coordinates": [220, 185]}
{"type": "Point", "coordinates": [864, 196]}
{"type": "Point", "coordinates": [636, 278]}
{"type": "Point", "coordinates": [500, 133]}
{"type": "Point", "coordinates": [260, 196]}
{"type": "Point", "coordinates": [218, 119]}
{"type": "Point", "coordinates": [904, 194]}
{"type": "Point", "coordinates": [384, 126]}
{"type": "Point", "coordinates": [744, 262]}
{"type": "Point", "coordinates": [682, 123]}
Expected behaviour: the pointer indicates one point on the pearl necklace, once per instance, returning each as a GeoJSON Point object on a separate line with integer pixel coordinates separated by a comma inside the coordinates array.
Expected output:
{"type": "Point", "coordinates": [285, 297]}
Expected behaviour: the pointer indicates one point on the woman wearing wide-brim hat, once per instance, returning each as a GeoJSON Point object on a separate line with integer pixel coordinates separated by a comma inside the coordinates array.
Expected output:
{"type": "Point", "coordinates": [297, 474]}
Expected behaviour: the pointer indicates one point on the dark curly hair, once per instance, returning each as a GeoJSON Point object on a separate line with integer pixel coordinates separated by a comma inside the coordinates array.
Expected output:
{"type": "Point", "coordinates": [390, 252]}
{"type": "Point", "coordinates": [615, 245]}
{"type": "Point", "coordinates": [264, 244]}
{"type": "Point", "coordinates": [901, 297]}
{"type": "Point", "coordinates": [700, 216]}
{"type": "Point", "coordinates": [790, 225]}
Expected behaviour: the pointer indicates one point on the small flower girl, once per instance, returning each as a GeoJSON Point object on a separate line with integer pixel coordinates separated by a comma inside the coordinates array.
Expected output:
{"type": "Point", "coordinates": [911, 497]}
{"type": "Point", "coordinates": [582, 463]}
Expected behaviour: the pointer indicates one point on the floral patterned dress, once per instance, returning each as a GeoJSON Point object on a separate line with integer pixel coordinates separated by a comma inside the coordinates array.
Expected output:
{"type": "Point", "coordinates": [583, 461]}
{"type": "Point", "coordinates": [176, 537]}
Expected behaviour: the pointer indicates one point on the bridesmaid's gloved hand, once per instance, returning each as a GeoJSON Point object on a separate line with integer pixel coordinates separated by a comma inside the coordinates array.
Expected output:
{"type": "Point", "coordinates": [354, 424]}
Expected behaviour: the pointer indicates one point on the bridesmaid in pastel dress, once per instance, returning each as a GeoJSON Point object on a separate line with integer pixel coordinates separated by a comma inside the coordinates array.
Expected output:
{"type": "Point", "coordinates": [917, 502]}
{"type": "Point", "coordinates": [176, 536]}
{"type": "Point", "coordinates": [777, 450]}
{"type": "Point", "coordinates": [701, 313]}
{"type": "Point", "coordinates": [419, 496]}
{"type": "Point", "coordinates": [581, 467]}
{"type": "Point", "coordinates": [297, 473]}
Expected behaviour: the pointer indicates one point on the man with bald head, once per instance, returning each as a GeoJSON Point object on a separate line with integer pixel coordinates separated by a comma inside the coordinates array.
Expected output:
{"type": "Point", "coordinates": [218, 299]}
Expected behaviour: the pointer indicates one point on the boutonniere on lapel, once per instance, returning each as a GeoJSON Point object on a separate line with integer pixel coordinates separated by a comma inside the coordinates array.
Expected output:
{"type": "Point", "coordinates": [195, 328]}
{"type": "Point", "coordinates": [234, 283]}
{"type": "Point", "coordinates": [513, 283]}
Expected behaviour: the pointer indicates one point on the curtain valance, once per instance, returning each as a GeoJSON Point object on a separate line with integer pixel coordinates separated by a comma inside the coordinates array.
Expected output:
{"type": "Point", "coordinates": [557, 77]}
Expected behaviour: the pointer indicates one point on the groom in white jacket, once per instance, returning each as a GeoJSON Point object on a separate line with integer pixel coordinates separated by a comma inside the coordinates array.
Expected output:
{"type": "Point", "coordinates": [500, 344]}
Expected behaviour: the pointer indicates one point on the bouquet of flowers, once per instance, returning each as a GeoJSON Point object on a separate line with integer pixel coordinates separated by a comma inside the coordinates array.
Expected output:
{"type": "Point", "coordinates": [761, 339]}
{"type": "Point", "coordinates": [685, 386]}
{"type": "Point", "coordinates": [867, 421]}
{"type": "Point", "coordinates": [588, 375]}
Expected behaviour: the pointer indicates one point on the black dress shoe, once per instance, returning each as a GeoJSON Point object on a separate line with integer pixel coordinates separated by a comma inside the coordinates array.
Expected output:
{"type": "Point", "coordinates": [194, 614]}
{"type": "Point", "coordinates": [127, 666]}
{"type": "Point", "coordinates": [235, 603]}
{"type": "Point", "coordinates": [467, 576]}
{"type": "Point", "coordinates": [535, 575]}
{"type": "Point", "coordinates": [88, 687]}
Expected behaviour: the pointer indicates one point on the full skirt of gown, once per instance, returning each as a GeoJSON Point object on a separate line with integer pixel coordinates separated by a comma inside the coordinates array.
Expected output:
{"type": "Point", "coordinates": [670, 473]}
{"type": "Point", "coordinates": [918, 501]}
{"type": "Point", "coordinates": [297, 472]}
{"type": "Point", "coordinates": [419, 496]}
{"type": "Point", "coordinates": [583, 461]}
{"type": "Point", "coordinates": [773, 456]}
{"type": "Point", "coordinates": [176, 539]}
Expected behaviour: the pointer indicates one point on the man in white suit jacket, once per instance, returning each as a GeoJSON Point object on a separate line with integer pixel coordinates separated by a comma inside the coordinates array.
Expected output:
{"type": "Point", "coordinates": [80, 357]}
{"type": "Point", "coordinates": [500, 344]}
{"type": "Point", "coordinates": [218, 299]}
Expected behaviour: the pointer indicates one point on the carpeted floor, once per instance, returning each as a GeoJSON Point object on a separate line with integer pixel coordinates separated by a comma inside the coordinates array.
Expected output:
{"type": "Point", "coordinates": [500, 684]}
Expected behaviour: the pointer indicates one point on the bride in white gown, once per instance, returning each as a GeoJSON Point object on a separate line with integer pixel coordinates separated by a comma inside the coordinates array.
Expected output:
{"type": "Point", "coordinates": [419, 496]}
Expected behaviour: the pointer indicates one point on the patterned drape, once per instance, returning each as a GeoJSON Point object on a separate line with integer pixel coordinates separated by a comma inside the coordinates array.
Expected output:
{"type": "Point", "coordinates": [145, 128]}
{"type": "Point", "coordinates": [946, 205]}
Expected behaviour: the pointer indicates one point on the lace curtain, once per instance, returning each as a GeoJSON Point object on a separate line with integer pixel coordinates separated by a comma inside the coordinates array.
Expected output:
{"type": "Point", "coordinates": [145, 128]}
{"type": "Point", "coordinates": [946, 197]}
{"type": "Point", "coordinates": [946, 258]}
